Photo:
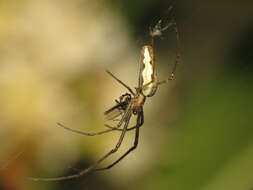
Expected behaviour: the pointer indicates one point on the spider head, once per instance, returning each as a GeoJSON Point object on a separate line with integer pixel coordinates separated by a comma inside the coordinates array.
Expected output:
{"type": "Point", "coordinates": [125, 98]}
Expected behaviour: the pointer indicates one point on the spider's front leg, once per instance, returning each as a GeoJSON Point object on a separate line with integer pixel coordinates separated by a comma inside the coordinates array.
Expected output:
{"type": "Point", "coordinates": [122, 83]}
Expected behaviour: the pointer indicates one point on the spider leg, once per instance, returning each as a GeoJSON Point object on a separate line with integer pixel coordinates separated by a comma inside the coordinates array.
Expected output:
{"type": "Point", "coordinates": [117, 129]}
{"type": "Point", "coordinates": [93, 166]}
{"type": "Point", "coordinates": [85, 133]}
{"type": "Point", "coordinates": [126, 86]}
{"type": "Point", "coordinates": [172, 75]}
{"type": "Point", "coordinates": [100, 132]}
{"type": "Point", "coordinates": [139, 122]}
{"type": "Point", "coordinates": [131, 128]}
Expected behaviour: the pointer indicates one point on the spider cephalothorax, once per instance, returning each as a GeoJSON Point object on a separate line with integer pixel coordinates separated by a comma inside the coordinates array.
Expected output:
{"type": "Point", "coordinates": [119, 108]}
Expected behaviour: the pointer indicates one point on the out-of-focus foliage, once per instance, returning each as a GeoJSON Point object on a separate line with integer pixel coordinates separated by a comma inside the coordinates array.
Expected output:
{"type": "Point", "coordinates": [198, 129]}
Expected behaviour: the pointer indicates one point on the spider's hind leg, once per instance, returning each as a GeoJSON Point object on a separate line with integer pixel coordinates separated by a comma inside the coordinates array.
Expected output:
{"type": "Point", "coordinates": [139, 123]}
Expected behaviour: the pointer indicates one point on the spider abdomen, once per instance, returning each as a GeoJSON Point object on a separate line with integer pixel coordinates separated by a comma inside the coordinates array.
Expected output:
{"type": "Point", "coordinates": [148, 72]}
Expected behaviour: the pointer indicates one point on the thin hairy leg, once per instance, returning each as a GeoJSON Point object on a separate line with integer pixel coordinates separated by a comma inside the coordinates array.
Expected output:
{"type": "Point", "coordinates": [136, 140]}
{"type": "Point", "coordinates": [92, 167]}
{"type": "Point", "coordinates": [131, 128]}
{"type": "Point", "coordinates": [126, 86]}
{"type": "Point", "coordinates": [85, 133]}
{"type": "Point", "coordinates": [96, 133]}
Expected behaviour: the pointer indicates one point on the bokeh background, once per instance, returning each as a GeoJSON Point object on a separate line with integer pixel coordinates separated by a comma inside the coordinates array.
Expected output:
{"type": "Point", "coordinates": [198, 131]}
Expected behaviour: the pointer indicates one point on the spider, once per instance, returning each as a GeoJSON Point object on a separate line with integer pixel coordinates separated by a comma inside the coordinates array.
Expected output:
{"type": "Point", "coordinates": [129, 104]}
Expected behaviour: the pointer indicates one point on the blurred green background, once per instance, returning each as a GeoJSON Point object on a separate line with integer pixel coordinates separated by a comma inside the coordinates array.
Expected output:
{"type": "Point", "coordinates": [198, 132]}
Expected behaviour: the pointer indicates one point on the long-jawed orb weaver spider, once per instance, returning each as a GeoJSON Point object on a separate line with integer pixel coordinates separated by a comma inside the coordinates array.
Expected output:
{"type": "Point", "coordinates": [129, 103]}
